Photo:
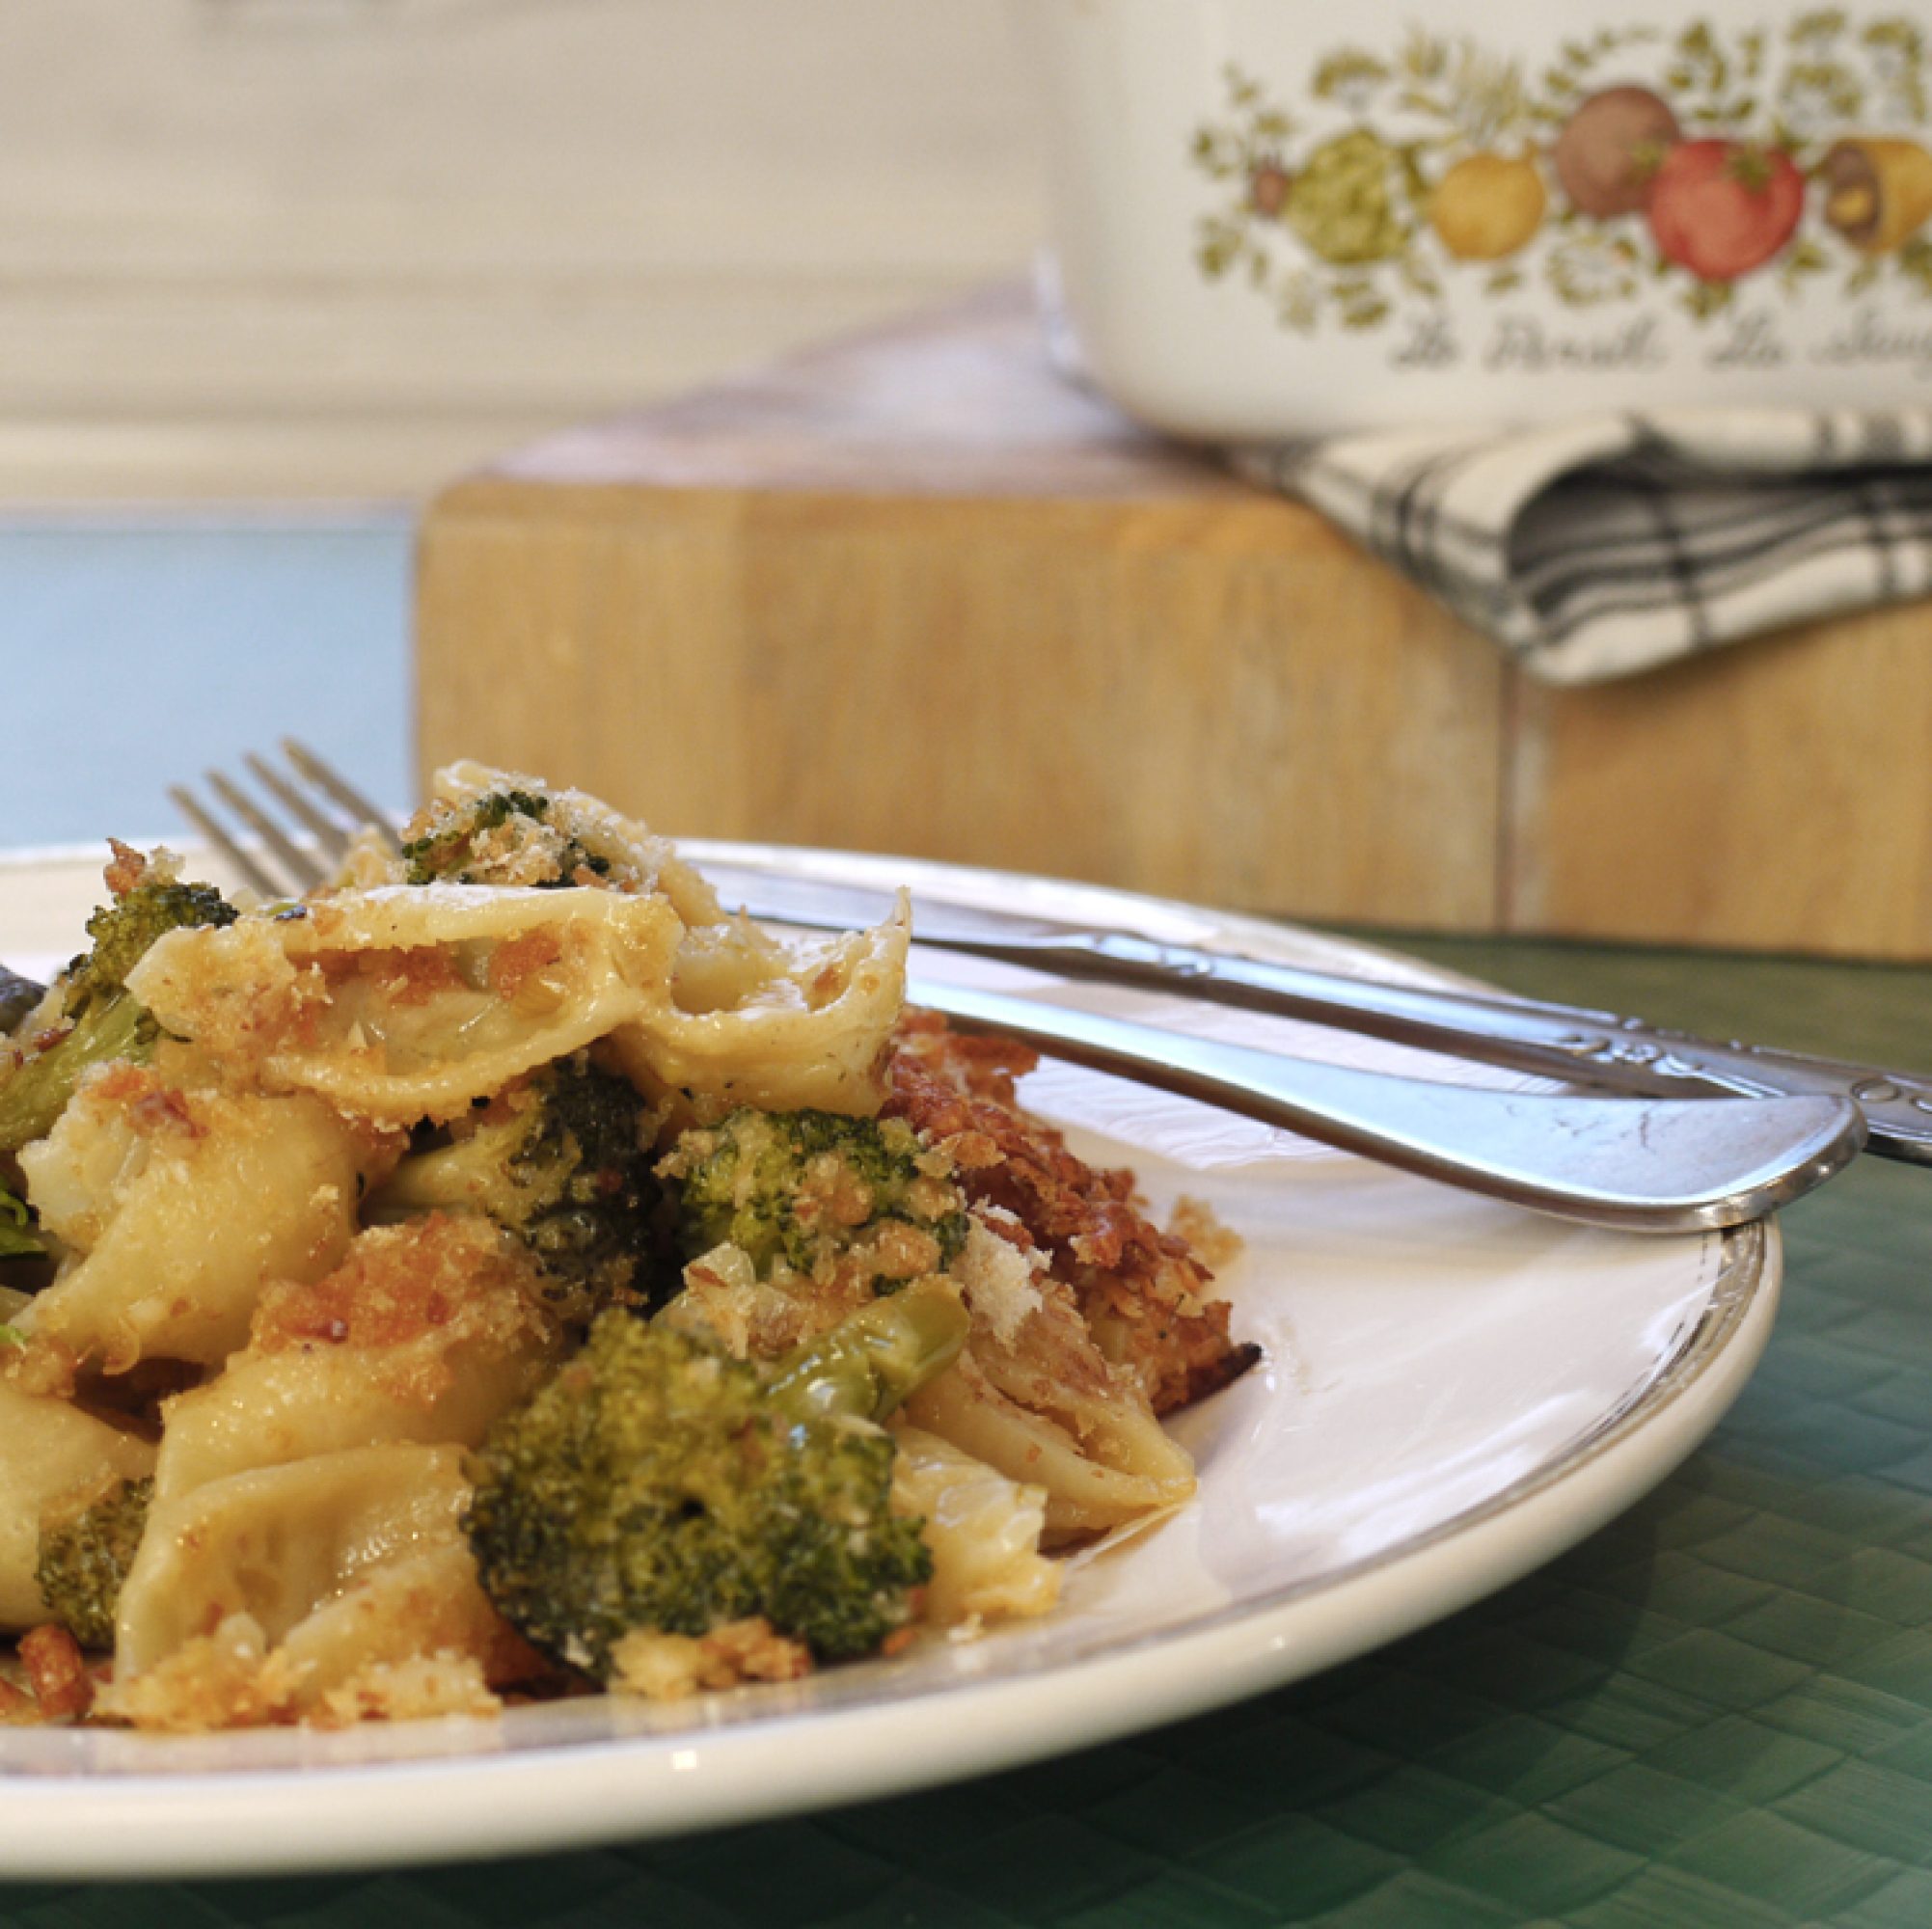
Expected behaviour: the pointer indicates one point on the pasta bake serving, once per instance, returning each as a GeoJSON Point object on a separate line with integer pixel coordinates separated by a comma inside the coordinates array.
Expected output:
{"type": "Point", "coordinates": [502, 1273]}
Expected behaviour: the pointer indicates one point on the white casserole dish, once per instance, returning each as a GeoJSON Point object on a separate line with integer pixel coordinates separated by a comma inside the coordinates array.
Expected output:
{"type": "Point", "coordinates": [1273, 219]}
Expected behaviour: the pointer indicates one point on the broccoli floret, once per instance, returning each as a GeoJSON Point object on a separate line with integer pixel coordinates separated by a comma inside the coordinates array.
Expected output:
{"type": "Point", "coordinates": [18, 1237]}
{"type": "Point", "coordinates": [84, 1560]}
{"type": "Point", "coordinates": [811, 1191]}
{"type": "Point", "coordinates": [564, 1163]}
{"type": "Point", "coordinates": [33, 1098]}
{"type": "Point", "coordinates": [123, 931]}
{"type": "Point", "coordinates": [655, 1484]}
{"type": "Point", "coordinates": [98, 1019]}
{"type": "Point", "coordinates": [502, 837]}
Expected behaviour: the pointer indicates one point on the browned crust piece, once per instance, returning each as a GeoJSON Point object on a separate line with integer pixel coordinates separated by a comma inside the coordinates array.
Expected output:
{"type": "Point", "coordinates": [1143, 1292]}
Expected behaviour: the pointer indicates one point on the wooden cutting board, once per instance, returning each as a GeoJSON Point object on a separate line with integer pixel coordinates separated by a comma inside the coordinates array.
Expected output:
{"type": "Point", "coordinates": [912, 592]}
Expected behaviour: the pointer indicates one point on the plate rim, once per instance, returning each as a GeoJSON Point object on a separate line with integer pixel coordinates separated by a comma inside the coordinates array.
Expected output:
{"type": "Point", "coordinates": [576, 1792]}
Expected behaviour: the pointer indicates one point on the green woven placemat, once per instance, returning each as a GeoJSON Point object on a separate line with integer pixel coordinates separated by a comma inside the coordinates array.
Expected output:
{"type": "Point", "coordinates": [1716, 1713]}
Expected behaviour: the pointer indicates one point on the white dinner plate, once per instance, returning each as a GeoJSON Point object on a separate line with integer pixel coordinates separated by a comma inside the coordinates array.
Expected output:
{"type": "Point", "coordinates": [1452, 1392]}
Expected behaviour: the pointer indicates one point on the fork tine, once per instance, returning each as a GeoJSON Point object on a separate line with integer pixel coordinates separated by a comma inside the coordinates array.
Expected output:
{"type": "Point", "coordinates": [327, 832]}
{"type": "Point", "coordinates": [210, 828]}
{"type": "Point", "coordinates": [300, 864]}
{"type": "Point", "coordinates": [301, 869]}
{"type": "Point", "coordinates": [325, 776]}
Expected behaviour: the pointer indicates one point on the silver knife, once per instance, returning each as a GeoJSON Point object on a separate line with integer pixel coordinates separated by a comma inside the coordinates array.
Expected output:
{"type": "Point", "coordinates": [1582, 1046]}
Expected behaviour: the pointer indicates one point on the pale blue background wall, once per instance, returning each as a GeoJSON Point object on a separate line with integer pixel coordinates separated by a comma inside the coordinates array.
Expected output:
{"type": "Point", "coordinates": [135, 652]}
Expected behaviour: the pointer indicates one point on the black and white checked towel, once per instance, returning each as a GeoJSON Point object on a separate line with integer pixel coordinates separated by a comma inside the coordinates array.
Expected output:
{"type": "Point", "coordinates": [1604, 545]}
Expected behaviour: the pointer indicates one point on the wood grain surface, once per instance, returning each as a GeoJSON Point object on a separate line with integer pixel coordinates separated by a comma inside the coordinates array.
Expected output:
{"type": "Point", "coordinates": [915, 592]}
{"type": "Point", "coordinates": [1776, 796]}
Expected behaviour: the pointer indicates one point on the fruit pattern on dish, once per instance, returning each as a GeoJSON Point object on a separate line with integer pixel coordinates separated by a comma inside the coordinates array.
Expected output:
{"type": "Point", "coordinates": [1635, 160]}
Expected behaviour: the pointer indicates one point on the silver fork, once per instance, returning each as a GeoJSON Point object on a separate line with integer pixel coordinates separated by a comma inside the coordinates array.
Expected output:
{"type": "Point", "coordinates": [332, 811]}
{"type": "Point", "coordinates": [1641, 1164]}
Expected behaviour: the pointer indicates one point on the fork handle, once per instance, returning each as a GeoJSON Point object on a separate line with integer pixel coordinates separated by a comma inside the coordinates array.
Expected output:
{"type": "Point", "coordinates": [1638, 1165]}
{"type": "Point", "coordinates": [1590, 1047]}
